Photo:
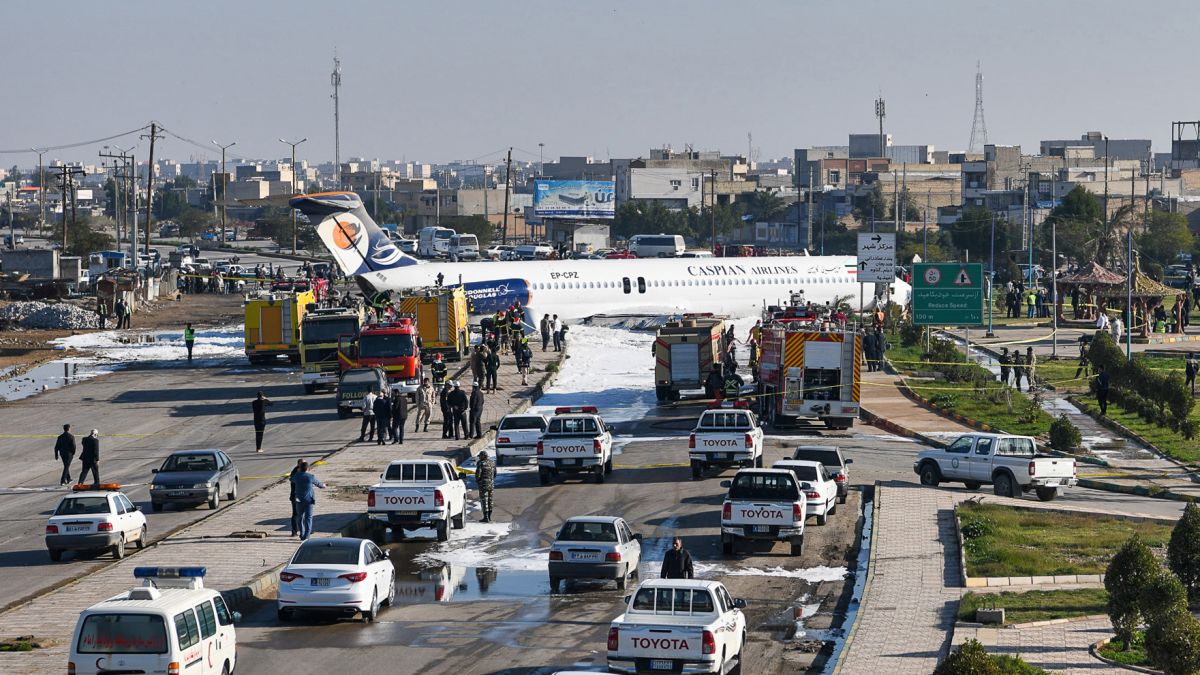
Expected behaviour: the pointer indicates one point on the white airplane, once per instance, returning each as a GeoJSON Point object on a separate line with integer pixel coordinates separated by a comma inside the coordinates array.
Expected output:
{"type": "Point", "coordinates": [577, 289]}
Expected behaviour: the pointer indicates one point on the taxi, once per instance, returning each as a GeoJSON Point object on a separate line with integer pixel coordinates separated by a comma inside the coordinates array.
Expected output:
{"type": "Point", "coordinates": [170, 624]}
{"type": "Point", "coordinates": [95, 518]}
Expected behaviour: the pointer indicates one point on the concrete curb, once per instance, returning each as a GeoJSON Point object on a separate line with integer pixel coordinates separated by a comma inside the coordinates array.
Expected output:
{"type": "Point", "coordinates": [1030, 624]}
{"type": "Point", "coordinates": [1094, 650]}
{"type": "Point", "coordinates": [890, 426]}
{"type": "Point", "coordinates": [837, 668]}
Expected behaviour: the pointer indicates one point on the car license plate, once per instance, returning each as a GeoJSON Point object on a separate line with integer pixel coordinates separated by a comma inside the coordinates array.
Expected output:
{"type": "Point", "coordinates": [319, 582]}
{"type": "Point", "coordinates": [585, 556]}
{"type": "Point", "coordinates": [405, 514]}
{"type": "Point", "coordinates": [761, 528]}
{"type": "Point", "coordinates": [78, 528]}
{"type": "Point", "coordinates": [177, 493]}
{"type": "Point", "coordinates": [721, 455]}
{"type": "Point", "coordinates": [570, 462]}
{"type": "Point", "coordinates": [662, 664]}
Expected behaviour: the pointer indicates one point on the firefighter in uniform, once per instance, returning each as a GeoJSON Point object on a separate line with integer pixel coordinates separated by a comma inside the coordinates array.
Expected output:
{"type": "Point", "coordinates": [485, 478]}
{"type": "Point", "coordinates": [732, 387]}
{"type": "Point", "coordinates": [438, 369]}
{"type": "Point", "coordinates": [502, 331]}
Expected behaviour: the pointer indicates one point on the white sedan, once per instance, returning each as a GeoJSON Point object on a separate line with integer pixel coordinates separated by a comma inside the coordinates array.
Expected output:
{"type": "Point", "coordinates": [339, 575]}
{"type": "Point", "coordinates": [595, 547]}
{"type": "Point", "coordinates": [820, 488]}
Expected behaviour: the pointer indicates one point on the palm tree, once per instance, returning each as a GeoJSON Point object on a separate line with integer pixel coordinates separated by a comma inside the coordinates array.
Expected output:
{"type": "Point", "coordinates": [765, 207]}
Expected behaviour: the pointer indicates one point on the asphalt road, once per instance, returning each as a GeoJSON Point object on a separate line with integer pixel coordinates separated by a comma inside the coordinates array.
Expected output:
{"type": "Point", "coordinates": [142, 416]}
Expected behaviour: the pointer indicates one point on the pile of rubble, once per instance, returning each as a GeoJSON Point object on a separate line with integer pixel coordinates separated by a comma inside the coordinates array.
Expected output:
{"type": "Point", "coordinates": [47, 316]}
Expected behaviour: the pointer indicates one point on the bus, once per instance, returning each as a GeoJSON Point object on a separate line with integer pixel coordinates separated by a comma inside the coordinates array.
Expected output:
{"type": "Point", "coordinates": [434, 242]}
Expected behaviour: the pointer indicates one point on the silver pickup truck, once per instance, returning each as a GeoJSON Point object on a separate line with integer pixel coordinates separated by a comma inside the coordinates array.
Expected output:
{"type": "Point", "coordinates": [1010, 464]}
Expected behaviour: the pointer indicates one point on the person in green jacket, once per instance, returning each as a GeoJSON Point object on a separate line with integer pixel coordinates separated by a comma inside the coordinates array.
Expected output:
{"type": "Point", "coordinates": [189, 340]}
{"type": "Point", "coordinates": [492, 366]}
{"type": "Point", "coordinates": [102, 312]}
{"type": "Point", "coordinates": [1030, 304]}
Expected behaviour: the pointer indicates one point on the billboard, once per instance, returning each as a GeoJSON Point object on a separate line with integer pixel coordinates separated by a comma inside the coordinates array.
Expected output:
{"type": "Point", "coordinates": [574, 199]}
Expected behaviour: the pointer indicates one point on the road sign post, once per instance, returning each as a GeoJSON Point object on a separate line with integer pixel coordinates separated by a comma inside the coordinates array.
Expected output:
{"type": "Point", "coordinates": [947, 294]}
{"type": "Point", "coordinates": [876, 257]}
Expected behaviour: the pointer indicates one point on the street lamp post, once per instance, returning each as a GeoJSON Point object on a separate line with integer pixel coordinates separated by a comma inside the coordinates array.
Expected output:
{"type": "Point", "coordinates": [225, 184]}
{"type": "Point", "coordinates": [991, 279]}
{"type": "Point", "coordinates": [294, 144]}
{"type": "Point", "coordinates": [541, 166]}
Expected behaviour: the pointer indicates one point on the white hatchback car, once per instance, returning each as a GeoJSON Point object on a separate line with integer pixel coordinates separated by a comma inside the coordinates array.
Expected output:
{"type": "Point", "coordinates": [95, 520]}
{"type": "Point", "coordinates": [820, 488]}
{"type": "Point", "coordinates": [595, 547]}
{"type": "Point", "coordinates": [336, 574]}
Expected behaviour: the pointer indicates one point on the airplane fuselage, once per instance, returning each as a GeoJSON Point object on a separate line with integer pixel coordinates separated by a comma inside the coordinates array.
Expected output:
{"type": "Point", "coordinates": [576, 289]}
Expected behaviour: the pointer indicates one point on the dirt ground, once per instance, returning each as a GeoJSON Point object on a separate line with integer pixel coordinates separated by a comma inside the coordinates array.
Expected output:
{"type": "Point", "coordinates": [27, 348]}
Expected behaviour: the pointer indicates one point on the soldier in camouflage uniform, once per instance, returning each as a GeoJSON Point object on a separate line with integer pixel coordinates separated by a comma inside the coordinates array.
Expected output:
{"type": "Point", "coordinates": [485, 478]}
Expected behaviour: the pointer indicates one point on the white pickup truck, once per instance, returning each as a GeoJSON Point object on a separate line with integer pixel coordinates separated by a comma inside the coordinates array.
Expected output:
{"type": "Point", "coordinates": [417, 494]}
{"type": "Point", "coordinates": [1009, 463]}
{"type": "Point", "coordinates": [576, 442]}
{"type": "Point", "coordinates": [725, 437]}
{"type": "Point", "coordinates": [678, 626]}
{"type": "Point", "coordinates": [763, 504]}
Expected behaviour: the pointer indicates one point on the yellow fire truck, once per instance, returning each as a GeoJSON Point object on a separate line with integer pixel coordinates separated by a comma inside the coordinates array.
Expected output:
{"type": "Point", "coordinates": [319, 333]}
{"type": "Point", "coordinates": [684, 352]}
{"type": "Point", "coordinates": [440, 313]}
{"type": "Point", "coordinates": [273, 324]}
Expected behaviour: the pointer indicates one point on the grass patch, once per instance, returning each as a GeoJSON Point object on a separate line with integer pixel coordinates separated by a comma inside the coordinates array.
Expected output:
{"type": "Point", "coordinates": [1003, 541]}
{"type": "Point", "coordinates": [16, 647]}
{"type": "Point", "coordinates": [1136, 656]}
{"type": "Point", "coordinates": [983, 404]}
{"type": "Point", "coordinates": [1170, 443]}
{"type": "Point", "coordinates": [1036, 605]}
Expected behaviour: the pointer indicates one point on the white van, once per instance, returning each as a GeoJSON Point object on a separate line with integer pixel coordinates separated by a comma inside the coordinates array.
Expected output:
{"type": "Point", "coordinates": [464, 247]}
{"type": "Point", "coordinates": [434, 242]}
{"type": "Point", "coordinates": [533, 252]}
{"type": "Point", "coordinates": [657, 245]}
{"type": "Point", "coordinates": [170, 624]}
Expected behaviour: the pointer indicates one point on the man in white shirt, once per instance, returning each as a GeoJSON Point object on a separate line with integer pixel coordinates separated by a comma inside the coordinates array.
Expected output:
{"type": "Point", "coordinates": [1101, 321]}
{"type": "Point", "coordinates": [556, 326]}
{"type": "Point", "coordinates": [368, 413]}
{"type": "Point", "coordinates": [1117, 330]}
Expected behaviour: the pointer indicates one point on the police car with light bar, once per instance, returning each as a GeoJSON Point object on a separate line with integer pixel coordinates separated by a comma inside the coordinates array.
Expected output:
{"type": "Point", "coordinates": [170, 624]}
{"type": "Point", "coordinates": [95, 518]}
{"type": "Point", "coordinates": [577, 442]}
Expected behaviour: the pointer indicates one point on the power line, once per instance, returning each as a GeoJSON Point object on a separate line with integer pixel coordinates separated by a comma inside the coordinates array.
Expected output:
{"type": "Point", "coordinates": [68, 146]}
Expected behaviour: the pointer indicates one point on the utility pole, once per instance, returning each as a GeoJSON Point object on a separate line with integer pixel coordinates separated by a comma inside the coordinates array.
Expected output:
{"type": "Point", "coordinates": [154, 135]}
{"type": "Point", "coordinates": [895, 203]}
{"type": "Point", "coordinates": [1106, 189]}
{"type": "Point", "coordinates": [991, 279]}
{"type": "Point", "coordinates": [67, 177]}
{"type": "Point", "coordinates": [541, 166]}
{"type": "Point", "coordinates": [925, 229]}
{"type": "Point", "coordinates": [507, 185]}
{"type": "Point", "coordinates": [880, 112]}
{"type": "Point", "coordinates": [712, 211]}
{"type": "Point", "coordinates": [809, 238]}
{"type": "Point", "coordinates": [335, 79]}
{"type": "Point", "coordinates": [225, 183]}
{"type": "Point", "coordinates": [41, 188]}
{"type": "Point", "coordinates": [294, 144]}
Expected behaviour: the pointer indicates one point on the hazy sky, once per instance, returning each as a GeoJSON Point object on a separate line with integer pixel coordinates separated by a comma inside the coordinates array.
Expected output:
{"type": "Point", "coordinates": [445, 80]}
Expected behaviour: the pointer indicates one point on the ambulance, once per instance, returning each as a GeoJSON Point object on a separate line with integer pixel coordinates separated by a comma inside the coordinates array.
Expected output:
{"type": "Point", "coordinates": [171, 624]}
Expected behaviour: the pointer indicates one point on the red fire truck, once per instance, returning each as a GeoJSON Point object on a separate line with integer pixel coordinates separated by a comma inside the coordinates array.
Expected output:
{"type": "Point", "coordinates": [809, 373]}
{"type": "Point", "coordinates": [392, 346]}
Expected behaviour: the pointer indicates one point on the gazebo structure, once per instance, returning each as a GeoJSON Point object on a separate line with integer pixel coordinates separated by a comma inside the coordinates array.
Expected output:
{"type": "Point", "coordinates": [1083, 287]}
{"type": "Point", "coordinates": [1146, 294]}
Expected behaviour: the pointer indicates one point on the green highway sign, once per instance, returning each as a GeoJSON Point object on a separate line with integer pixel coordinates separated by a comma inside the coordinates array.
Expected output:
{"type": "Point", "coordinates": [947, 294]}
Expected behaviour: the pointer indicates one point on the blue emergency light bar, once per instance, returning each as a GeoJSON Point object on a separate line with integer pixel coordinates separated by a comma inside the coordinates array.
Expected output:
{"type": "Point", "coordinates": [169, 572]}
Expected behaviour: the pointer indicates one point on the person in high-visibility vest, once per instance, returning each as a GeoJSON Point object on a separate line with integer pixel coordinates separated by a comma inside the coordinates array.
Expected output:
{"type": "Point", "coordinates": [189, 340]}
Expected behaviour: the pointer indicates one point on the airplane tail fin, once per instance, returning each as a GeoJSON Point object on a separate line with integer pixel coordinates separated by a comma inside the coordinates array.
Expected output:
{"type": "Point", "coordinates": [358, 245]}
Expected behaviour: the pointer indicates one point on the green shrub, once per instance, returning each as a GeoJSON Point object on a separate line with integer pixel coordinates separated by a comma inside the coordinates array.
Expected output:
{"type": "Point", "coordinates": [911, 335]}
{"type": "Point", "coordinates": [970, 658]}
{"type": "Point", "coordinates": [1064, 436]}
{"type": "Point", "coordinates": [1163, 604]}
{"type": "Point", "coordinates": [1177, 647]}
{"type": "Point", "coordinates": [1183, 551]}
{"type": "Point", "coordinates": [943, 400]}
{"type": "Point", "coordinates": [552, 368]}
{"type": "Point", "coordinates": [1129, 572]}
